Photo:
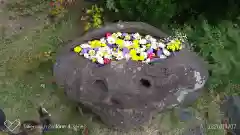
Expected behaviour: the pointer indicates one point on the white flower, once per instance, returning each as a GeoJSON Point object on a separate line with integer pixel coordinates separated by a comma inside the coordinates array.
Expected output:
{"type": "Point", "coordinates": [111, 40]}
{"type": "Point", "coordinates": [103, 40]}
{"type": "Point", "coordinates": [119, 56]}
{"type": "Point", "coordinates": [99, 54]}
{"type": "Point", "coordinates": [143, 48]}
{"type": "Point", "coordinates": [161, 45]}
{"type": "Point", "coordinates": [144, 54]}
{"type": "Point", "coordinates": [127, 56]}
{"type": "Point", "coordinates": [154, 45]}
{"type": "Point", "coordinates": [119, 34]}
{"type": "Point", "coordinates": [162, 56]}
{"type": "Point", "coordinates": [147, 60]}
{"type": "Point", "coordinates": [86, 55]}
{"type": "Point", "coordinates": [138, 50]}
{"type": "Point", "coordinates": [108, 56]}
{"type": "Point", "coordinates": [100, 60]}
{"type": "Point", "coordinates": [153, 39]}
{"type": "Point", "coordinates": [85, 45]}
{"type": "Point", "coordinates": [143, 41]}
{"type": "Point", "coordinates": [137, 36]}
{"type": "Point", "coordinates": [127, 43]}
{"type": "Point", "coordinates": [148, 37]}
{"type": "Point", "coordinates": [166, 52]}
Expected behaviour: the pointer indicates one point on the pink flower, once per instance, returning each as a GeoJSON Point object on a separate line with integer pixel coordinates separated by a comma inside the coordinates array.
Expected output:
{"type": "Point", "coordinates": [106, 61]}
{"type": "Point", "coordinates": [108, 34]}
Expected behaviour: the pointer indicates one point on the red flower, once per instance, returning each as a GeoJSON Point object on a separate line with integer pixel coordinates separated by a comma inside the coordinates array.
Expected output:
{"type": "Point", "coordinates": [151, 55]}
{"type": "Point", "coordinates": [106, 61]}
{"type": "Point", "coordinates": [108, 34]}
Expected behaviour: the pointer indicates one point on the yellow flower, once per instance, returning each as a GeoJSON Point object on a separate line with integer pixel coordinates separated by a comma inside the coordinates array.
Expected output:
{"type": "Point", "coordinates": [127, 37]}
{"type": "Point", "coordinates": [135, 58]}
{"type": "Point", "coordinates": [135, 41]}
{"type": "Point", "coordinates": [141, 57]}
{"type": "Point", "coordinates": [77, 49]}
{"type": "Point", "coordinates": [103, 44]}
{"type": "Point", "coordinates": [120, 43]}
{"type": "Point", "coordinates": [105, 53]}
{"type": "Point", "coordinates": [91, 52]}
{"type": "Point", "coordinates": [133, 52]}
{"type": "Point", "coordinates": [94, 59]}
{"type": "Point", "coordinates": [171, 47]}
{"type": "Point", "coordinates": [114, 35]}
{"type": "Point", "coordinates": [174, 46]}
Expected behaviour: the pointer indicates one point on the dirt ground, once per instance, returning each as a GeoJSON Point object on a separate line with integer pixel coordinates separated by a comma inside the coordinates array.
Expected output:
{"type": "Point", "coordinates": [26, 71]}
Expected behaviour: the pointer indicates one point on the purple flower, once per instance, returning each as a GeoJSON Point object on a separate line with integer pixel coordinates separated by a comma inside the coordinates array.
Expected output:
{"type": "Point", "coordinates": [110, 45]}
{"type": "Point", "coordinates": [85, 50]}
{"type": "Point", "coordinates": [96, 49]}
{"type": "Point", "coordinates": [124, 34]}
{"type": "Point", "coordinates": [159, 52]}
{"type": "Point", "coordinates": [125, 51]}
{"type": "Point", "coordinates": [150, 50]}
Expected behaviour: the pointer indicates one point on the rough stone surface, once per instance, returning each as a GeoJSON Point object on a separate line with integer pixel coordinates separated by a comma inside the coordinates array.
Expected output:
{"type": "Point", "coordinates": [127, 94]}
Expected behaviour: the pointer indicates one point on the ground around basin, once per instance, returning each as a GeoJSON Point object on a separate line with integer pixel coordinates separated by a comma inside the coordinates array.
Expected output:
{"type": "Point", "coordinates": [27, 37]}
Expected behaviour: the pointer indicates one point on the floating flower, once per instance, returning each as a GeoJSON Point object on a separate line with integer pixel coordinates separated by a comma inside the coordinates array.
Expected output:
{"type": "Point", "coordinates": [77, 49]}
{"type": "Point", "coordinates": [159, 53]}
{"type": "Point", "coordinates": [102, 40]}
{"type": "Point", "coordinates": [127, 37]}
{"type": "Point", "coordinates": [100, 60]}
{"type": "Point", "coordinates": [119, 56]}
{"type": "Point", "coordinates": [118, 46]}
{"type": "Point", "coordinates": [137, 36]}
{"type": "Point", "coordinates": [94, 60]}
{"type": "Point", "coordinates": [108, 34]}
{"type": "Point", "coordinates": [166, 52]}
{"type": "Point", "coordinates": [120, 43]}
{"type": "Point", "coordinates": [151, 55]}
{"type": "Point", "coordinates": [106, 61]}
{"type": "Point", "coordinates": [119, 34]}
{"type": "Point", "coordinates": [154, 45]}
{"type": "Point", "coordinates": [86, 55]}
{"type": "Point", "coordinates": [148, 37]}
{"type": "Point", "coordinates": [91, 52]}
{"type": "Point", "coordinates": [85, 45]}
{"type": "Point", "coordinates": [111, 40]}
{"type": "Point", "coordinates": [150, 50]}
{"type": "Point", "coordinates": [143, 41]}
{"type": "Point", "coordinates": [125, 51]}
{"type": "Point", "coordinates": [161, 45]}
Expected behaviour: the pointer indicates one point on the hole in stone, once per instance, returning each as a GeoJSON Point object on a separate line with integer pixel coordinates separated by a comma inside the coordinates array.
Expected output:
{"type": "Point", "coordinates": [145, 83]}
{"type": "Point", "coordinates": [101, 85]}
{"type": "Point", "coordinates": [114, 101]}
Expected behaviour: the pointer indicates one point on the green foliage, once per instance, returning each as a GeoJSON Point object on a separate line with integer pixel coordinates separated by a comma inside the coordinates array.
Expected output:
{"type": "Point", "coordinates": [166, 11]}
{"type": "Point", "coordinates": [220, 46]}
{"type": "Point", "coordinates": [95, 19]}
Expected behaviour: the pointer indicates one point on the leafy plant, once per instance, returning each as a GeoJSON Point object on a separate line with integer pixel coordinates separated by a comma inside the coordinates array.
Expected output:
{"type": "Point", "coordinates": [57, 8]}
{"type": "Point", "coordinates": [95, 18]}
